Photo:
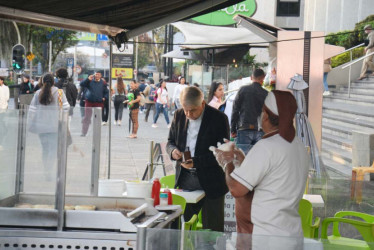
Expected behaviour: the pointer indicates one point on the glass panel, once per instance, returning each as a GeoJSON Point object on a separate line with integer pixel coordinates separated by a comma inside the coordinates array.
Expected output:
{"type": "Point", "coordinates": [8, 151]}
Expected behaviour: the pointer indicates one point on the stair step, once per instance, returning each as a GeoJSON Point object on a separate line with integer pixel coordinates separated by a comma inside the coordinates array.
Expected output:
{"type": "Point", "coordinates": [336, 170]}
{"type": "Point", "coordinates": [351, 101]}
{"type": "Point", "coordinates": [339, 141]}
{"type": "Point", "coordinates": [349, 108]}
{"type": "Point", "coordinates": [331, 131]}
{"type": "Point", "coordinates": [363, 120]}
{"type": "Point", "coordinates": [347, 125]}
{"type": "Point", "coordinates": [359, 96]}
{"type": "Point", "coordinates": [337, 154]}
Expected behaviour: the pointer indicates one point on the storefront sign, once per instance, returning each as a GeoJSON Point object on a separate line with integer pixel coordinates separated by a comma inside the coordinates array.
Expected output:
{"type": "Point", "coordinates": [122, 61]}
{"type": "Point", "coordinates": [224, 16]}
{"type": "Point", "coordinates": [230, 219]}
{"type": "Point", "coordinates": [126, 49]}
{"type": "Point", "coordinates": [127, 73]}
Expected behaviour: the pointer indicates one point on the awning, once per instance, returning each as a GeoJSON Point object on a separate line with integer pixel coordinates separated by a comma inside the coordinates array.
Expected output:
{"type": "Point", "coordinates": [121, 18]}
{"type": "Point", "coordinates": [199, 36]}
{"type": "Point", "coordinates": [188, 55]}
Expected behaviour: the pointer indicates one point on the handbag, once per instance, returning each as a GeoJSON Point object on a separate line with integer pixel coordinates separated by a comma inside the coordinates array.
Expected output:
{"type": "Point", "coordinates": [69, 140]}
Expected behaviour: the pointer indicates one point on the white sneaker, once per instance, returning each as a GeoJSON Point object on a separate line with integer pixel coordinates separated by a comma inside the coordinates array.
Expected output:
{"type": "Point", "coordinates": [115, 123]}
{"type": "Point", "coordinates": [119, 123]}
{"type": "Point", "coordinates": [326, 93]}
{"type": "Point", "coordinates": [154, 125]}
{"type": "Point", "coordinates": [169, 125]}
{"type": "Point", "coordinates": [103, 123]}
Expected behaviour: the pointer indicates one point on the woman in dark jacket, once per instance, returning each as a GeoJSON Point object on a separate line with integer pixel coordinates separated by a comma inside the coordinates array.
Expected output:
{"type": "Point", "coordinates": [68, 86]}
{"type": "Point", "coordinates": [26, 86]}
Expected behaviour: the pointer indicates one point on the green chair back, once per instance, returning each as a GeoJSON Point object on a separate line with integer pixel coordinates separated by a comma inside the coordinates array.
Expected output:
{"type": "Point", "coordinates": [191, 224]}
{"type": "Point", "coordinates": [310, 230]}
{"type": "Point", "coordinates": [168, 181]}
{"type": "Point", "coordinates": [199, 225]}
{"type": "Point", "coordinates": [179, 200]}
{"type": "Point", "coordinates": [365, 225]}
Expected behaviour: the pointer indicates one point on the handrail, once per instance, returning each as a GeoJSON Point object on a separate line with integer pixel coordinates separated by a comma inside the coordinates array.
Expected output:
{"type": "Point", "coordinates": [362, 44]}
{"type": "Point", "coordinates": [357, 60]}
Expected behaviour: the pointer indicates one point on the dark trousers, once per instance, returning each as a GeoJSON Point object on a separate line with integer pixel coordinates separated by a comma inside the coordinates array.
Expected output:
{"type": "Point", "coordinates": [212, 212]}
{"type": "Point", "coordinates": [88, 114]}
{"type": "Point", "coordinates": [247, 138]}
{"type": "Point", "coordinates": [105, 111]}
{"type": "Point", "coordinates": [118, 110]}
{"type": "Point", "coordinates": [149, 106]}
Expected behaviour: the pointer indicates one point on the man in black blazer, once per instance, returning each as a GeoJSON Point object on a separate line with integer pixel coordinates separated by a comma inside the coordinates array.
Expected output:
{"type": "Point", "coordinates": [195, 128]}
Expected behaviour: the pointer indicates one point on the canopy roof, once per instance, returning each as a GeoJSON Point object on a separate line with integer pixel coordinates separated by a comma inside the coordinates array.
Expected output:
{"type": "Point", "coordinates": [109, 17]}
{"type": "Point", "coordinates": [199, 36]}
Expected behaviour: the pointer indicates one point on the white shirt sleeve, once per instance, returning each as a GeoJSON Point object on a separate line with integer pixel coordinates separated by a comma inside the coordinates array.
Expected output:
{"type": "Point", "coordinates": [254, 167]}
{"type": "Point", "coordinates": [176, 93]}
{"type": "Point", "coordinates": [7, 93]}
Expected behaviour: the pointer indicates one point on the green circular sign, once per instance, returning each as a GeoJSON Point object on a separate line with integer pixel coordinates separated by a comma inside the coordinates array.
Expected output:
{"type": "Point", "coordinates": [224, 16]}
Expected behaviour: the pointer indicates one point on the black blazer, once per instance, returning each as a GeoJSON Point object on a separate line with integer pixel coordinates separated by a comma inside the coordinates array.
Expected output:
{"type": "Point", "coordinates": [214, 128]}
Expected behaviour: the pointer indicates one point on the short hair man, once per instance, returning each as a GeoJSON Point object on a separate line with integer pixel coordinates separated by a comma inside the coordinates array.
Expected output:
{"type": "Point", "coordinates": [273, 173]}
{"type": "Point", "coordinates": [246, 112]}
{"type": "Point", "coordinates": [367, 63]}
{"type": "Point", "coordinates": [195, 128]}
{"type": "Point", "coordinates": [66, 83]}
{"type": "Point", "coordinates": [95, 95]}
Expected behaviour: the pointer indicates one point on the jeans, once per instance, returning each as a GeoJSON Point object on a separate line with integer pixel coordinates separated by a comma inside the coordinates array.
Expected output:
{"type": "Point", "coordinates": [105, 111]}
{"type": "Point", "coordinates": [88, 115]}
{"type": "Point", "coordinates": [149, 106]}
{"type": "Point", "coordinates": [325, 85]}
{"type": "Point", "coordinates": [161, 107]}
{"type": "Point", "coordinates": [118, 109]}
{"type": "Point", "coordinates": [49, 153]}
{"type": "Point", "coordinates": [247, 138]}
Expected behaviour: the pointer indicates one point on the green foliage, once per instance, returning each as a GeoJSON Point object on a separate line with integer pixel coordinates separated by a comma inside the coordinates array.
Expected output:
{"type": "Point", "coordinates": [61, 40]}
{"type": "Point", "coordinates": [8, 82]}
{"type": "Point", "coordinates": [349, 39]}
{"type": "Point", "coordinates": [345, 57]}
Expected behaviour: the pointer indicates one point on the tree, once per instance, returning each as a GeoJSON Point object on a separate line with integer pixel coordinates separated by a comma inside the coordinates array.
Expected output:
{"type": "Point", "coordinates": [144, 50]}
{"type": "Point", "coordinates": [158, 39]}
{"type": "Point", "coordinates": [40, 36]}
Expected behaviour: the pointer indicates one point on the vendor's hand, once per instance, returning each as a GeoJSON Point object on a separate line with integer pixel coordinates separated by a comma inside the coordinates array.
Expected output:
{"type": "Point", "coordinates": [187, 164]}
{"type": "Point", "coordinates": [176, 154]}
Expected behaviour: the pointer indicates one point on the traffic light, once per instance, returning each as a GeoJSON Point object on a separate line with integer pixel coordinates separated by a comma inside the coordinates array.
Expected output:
{"type": "Point", "coordinates": [18, 58]}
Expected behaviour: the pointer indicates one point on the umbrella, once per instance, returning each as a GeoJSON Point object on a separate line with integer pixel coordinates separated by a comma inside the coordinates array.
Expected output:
{"type": "Point", "coordinates": [303, 128]}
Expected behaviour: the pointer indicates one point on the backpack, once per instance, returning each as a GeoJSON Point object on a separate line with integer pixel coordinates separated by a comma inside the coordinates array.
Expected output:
{"type": "Point", "coordinates": [152, 94]}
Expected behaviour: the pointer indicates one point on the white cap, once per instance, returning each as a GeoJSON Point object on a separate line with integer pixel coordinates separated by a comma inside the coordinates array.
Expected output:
{"type": "Point", "coordinates": [271, 103]}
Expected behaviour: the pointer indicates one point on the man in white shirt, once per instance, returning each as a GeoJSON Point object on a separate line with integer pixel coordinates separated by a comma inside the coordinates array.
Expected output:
{"type": "Point", "coordinates": [4, 94]}
{"type": "Point", "coordinates": [194, 129]}
{"type": "Point", "coordinates": [273, 173]}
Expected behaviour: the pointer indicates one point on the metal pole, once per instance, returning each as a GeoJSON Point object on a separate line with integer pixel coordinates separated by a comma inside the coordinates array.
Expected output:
{"type": "Point", "coordinates": [31, 60]}
{"type": "Point", "coordinates": [110, 107]}
{"type": "Point", "coordinates": [349, 76]}
{"type": "Point", "coordinates": [150, 170]}
{"type": "Point", "coordinates": [95, 160]}
{"type": "Point", "coordinates": [50, 57]}
{"type": "Point", "coordinates": [18, 35]}
{"type": "Point", "coordinates": [61, 168]}
{"type": "Point", "coordinates": [141, 238]}
{"type": "Point", "coordinates": [227, 76]}
{"type": "Point", "coordinates": [136, 59]}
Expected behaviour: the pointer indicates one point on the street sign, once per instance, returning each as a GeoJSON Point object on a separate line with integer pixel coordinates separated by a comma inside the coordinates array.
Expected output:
{"type": "Point", "coordinates": [122, 61]}
{"type": "Point", "coordinates": [70, 62]}
{"type": "Point", "coordinates": [101, 37]}
{"type": "Point", "coordinates": [127, 49]}
{"type": "Point", "coordinates": [78, 69]}
{"type": "Point", "coordinates": [126, 73]}
{"type": "Point", "coordinates": [30, 56]}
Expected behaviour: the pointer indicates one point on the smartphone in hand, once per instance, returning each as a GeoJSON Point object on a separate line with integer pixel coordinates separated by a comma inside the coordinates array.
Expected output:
{"type": "Point", "coordinates": [186, 156]}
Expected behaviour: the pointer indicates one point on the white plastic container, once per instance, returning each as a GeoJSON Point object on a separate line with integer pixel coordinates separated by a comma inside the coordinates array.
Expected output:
{"type": "Point", "coordinates": [142, 189]}
{"type": "Point", "coordinates": [111, 188]}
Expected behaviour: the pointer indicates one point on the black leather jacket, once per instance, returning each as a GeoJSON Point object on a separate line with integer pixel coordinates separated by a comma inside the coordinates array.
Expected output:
{"type": "Point", "coordinates": [247, 107]}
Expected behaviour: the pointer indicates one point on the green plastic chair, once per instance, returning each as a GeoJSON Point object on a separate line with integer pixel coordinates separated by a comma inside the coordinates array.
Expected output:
{"type": "Point", "coordinates": [179, 200]}
{"type": "Point", "coordinates": [365, 226]}
{"type": "Point", "coordinates": [191, 224]}
{"type": "Point", "coordinates": [310, 229]}
{"type": "Point", "coordinates": [199, 225]}
{"type": "Point", "coordinates": [168, 181]}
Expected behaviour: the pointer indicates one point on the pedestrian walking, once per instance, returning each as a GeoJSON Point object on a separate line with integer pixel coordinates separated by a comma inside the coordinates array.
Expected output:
{"type": "Point", "coordinates": [142, 87]}
{"type": "Point", "coordinates": [133, 104]}
{"type": "Point", "coordinates": [119, 97]}
{"type": "Point", "coordinates": [65, 83]}
{"type": "Point", "coordinates": [177, 91]}
{"type": "Point", "coordinates": [4, 99]}
{"type": "Point", "coordinates": [95, 94]}
{"type": "Point", "coordinates": [105, 110]}
{"type": "Point", "coordinates": [162, 104]}
{"type": "Point", "coordinates": [368, 63]}
{"type": "Point", "coordinates": [150, 100]}
{"type": "Point", "coordinates": [326, 69]}
{"type": "Point", "coordinates": [43, 120]}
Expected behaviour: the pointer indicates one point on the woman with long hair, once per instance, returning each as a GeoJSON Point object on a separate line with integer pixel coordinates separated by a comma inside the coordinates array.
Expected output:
{"type": "Point", "coordinates": [133, 104]}
{"type": "Point", "coordinates": [177, 91]}
{"type": "Point", "coordinates": [43, 120]}
{"type": "Point", "coordinates": [162, 104]}
{"type": "Point", "coordinates": [216, 94]}
{"type": "Point", "coordinates": [120, 93]}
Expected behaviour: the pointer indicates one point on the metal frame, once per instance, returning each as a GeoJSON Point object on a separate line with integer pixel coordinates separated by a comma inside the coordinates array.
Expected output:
{"type": "Point", "coordinates": [95, 159]}
{"type": "Point", "coordinates": [20, 164]}
{"type": "Point", "coordinates": [350, 66]}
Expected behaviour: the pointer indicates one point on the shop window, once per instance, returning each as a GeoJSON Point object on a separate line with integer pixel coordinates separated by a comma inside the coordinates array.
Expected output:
{"type": "Point", "coordinates": [288, 7]}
